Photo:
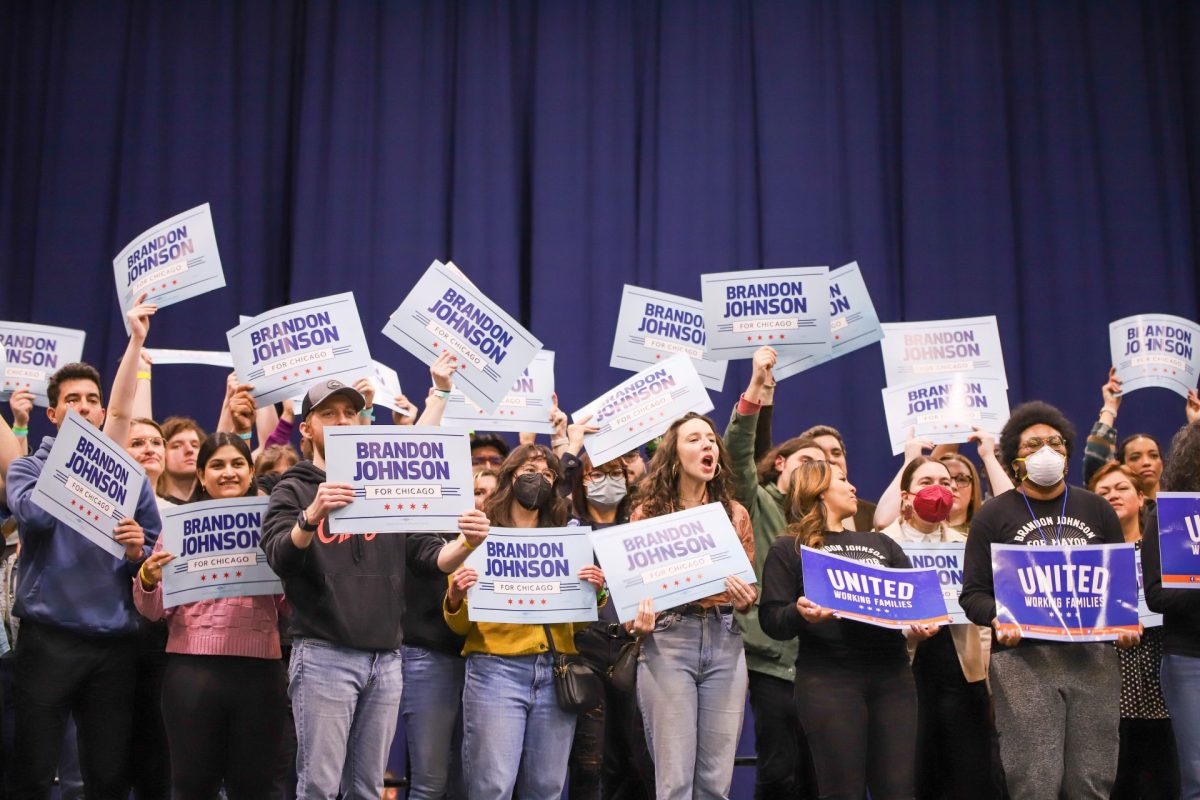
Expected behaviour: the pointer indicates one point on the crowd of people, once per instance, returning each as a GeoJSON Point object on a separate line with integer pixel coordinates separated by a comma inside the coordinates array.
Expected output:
{"type": "Point", "coordinates": [300, 694]}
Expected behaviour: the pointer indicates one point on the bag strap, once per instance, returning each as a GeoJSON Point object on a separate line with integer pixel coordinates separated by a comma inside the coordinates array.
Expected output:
{"type": "Point", "coordinates": [550, 641]}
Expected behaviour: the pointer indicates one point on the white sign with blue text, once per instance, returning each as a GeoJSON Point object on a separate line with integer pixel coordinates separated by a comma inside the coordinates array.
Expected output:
{"type": "Point", "coordinates": [654, 325]}
{"type": "Point", "coordinates": [1155, 350]}
{"type": "Point", "coordinates": [530, 576]}
{"type": "Point", "coordinates": [783, 308]}
{"type": "Point", "coordinates": [922, 351]}
{"type": "Point", "coordinates": [853, 323]}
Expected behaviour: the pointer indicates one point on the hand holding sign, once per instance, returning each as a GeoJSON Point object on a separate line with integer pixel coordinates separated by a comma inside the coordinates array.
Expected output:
{"type": "Point", "coordinates": [642, 623]}
{"type": "Point", "coordinates": [442, 371]}
{"type": "Point", "coordinates": [474, 526]}
{"type": "Point", "coordinates": [21, 404]}
{"type": "Point", "coordinates": [741, 594]}
{"type": "Point", "coordinates": [129, 534]}
{"type": "Point", "coordinates": [462, 580]}
{"type": "Point", "coordinates": [367, 389]}
{"type": "Point", "coordinates": [813, 612]}
{"type": "Point", "coordinates": [330, 497]}
{"type": "Point", "coordinates": [151, 572]}
{"type": "Point", "coordinates": [242, 408]}
{"type": "Point", "coordinates": [138, 319]}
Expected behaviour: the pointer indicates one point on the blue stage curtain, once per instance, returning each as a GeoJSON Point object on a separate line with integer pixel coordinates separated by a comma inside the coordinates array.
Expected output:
{"type": "Point", "coordinates": [1037, 161]}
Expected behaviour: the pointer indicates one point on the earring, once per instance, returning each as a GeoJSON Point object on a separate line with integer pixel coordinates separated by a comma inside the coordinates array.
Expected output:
{"type": "Point", "coordinates": [674, 471]}
{"type": "Point", "coordinates": [718, 472]}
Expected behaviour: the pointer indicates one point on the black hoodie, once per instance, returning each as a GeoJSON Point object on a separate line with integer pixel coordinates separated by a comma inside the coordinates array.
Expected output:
{"type": "Point", "coordinates": [347, 589]}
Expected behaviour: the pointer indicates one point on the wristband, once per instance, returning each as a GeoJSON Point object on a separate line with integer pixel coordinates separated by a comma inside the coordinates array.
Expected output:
{"type": "Point", "coordinates": [561, 440]}
{"type": "Point", "coordinates": [143, 376]}
{"type": "Point", "coordinates": [442, 393]}
{"type": "Point", "coordinates": [368, 412]}
{"type": "Point", "coordinates": [142, 576]}
{"type": "Point", "coordinates": [246, 436]}
{"type": "Point", "coordinates": [20, 430]}
{"type": "Point", "coordinates": [602, 594]}
{"type": "Point", "coordinates": [465, 543]}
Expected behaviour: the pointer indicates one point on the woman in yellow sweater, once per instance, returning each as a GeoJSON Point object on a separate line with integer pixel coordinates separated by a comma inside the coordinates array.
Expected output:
{"type": "Point", "coordinates": [514, 734]}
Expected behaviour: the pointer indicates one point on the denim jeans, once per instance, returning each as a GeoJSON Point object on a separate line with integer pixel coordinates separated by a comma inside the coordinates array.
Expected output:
{"type": "Point", "coordinates": [691, 686]}
{"type": "Point", "coordinates": [346, 703]}
{"type": "Point", "coordinates": [1181, 689]}
{"type": "Point", "coordinates": [432, 712]}
{"type": "Point", "coordinates": [514, 733]}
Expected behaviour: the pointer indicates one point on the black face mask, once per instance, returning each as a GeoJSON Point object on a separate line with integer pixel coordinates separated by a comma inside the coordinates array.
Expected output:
{"type": "Point", "coordinates": [532, 490]}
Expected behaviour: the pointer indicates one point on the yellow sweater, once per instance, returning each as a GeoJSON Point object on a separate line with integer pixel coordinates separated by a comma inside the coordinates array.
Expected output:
{"type": "Point", "coordinates": [508, 639]}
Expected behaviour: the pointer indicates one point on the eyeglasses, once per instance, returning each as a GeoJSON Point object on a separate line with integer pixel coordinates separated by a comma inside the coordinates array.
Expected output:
{"type": "Point", "coordinates": [1037, 442]}
{"type": "Point", "coordinates": [962, 479]}
{"type": "Point", "coordinates": [153, 441]}
{"type": "Point", "coordinates": [598, 475]}
{"type": "Point", "coordinates": [490, 461]}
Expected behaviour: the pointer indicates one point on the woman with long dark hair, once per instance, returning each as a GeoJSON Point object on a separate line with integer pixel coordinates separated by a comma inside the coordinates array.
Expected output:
{"type": "Point", "coordinates": [691, 679]}
{"type": "Point", "coordinates": [515, 736]}
{"type": "Point", "coordinates": [854, 688]}
{"type": "Point", "coordinates": [224, 687]}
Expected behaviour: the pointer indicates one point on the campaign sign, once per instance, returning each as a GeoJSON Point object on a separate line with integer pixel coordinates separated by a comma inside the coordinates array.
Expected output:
{"type": "Point", "coordinates": [175, 260]}
{"type": "Point", "coordinates": [921, 351]}
{"type": "Point", "coordinates": [35, 352]}
{"type": "Point", "coordinates": [446, 312]}
{"type": "Point", "coordinates": [284, 351]}
{"type": "Point", "coordinates": [853, 323]}
{"type": "Point", "coordinates": [654, 325]}
{"type": "Point", "coordinates": [783, 308]}
{"type": "Point", "coordinates": [89, 483]}
{"type": "Point", "coordinates": [530, 576]}
{"type": "Point", "coordinates": [526, 407]}
{"type": "Point", "coordinates": [643, 407]}
{"type": "Point", "coordinates": [217, 551]}
{"type": "Point", "coordinates": [1066, 594]}
{"type": "Point", "coordinates": [1155, 350]}
{"type": "Point", "coordinates": [406, 478]}
{"type": "Point", "coordinates": [947, 559]}
{"type": "Point", "coordinates": [1148, 618]}
{"type": "Point", "coordinates": [386, 382]}
{"type": "Point", "coordinates": [944, 409]}
{"type": "Point", "coordinates": [210, 358]}
{"type": "Point", "coordinates": [1179, 539]}
{"type": "Point", "coordinates": [673, 559]}
{"type": "Point", "coordinates": [882, 596]}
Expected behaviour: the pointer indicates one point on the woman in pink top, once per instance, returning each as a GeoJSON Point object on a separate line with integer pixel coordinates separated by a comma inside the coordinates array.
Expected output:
{"type": "Point", "coordinates": [224, 691]}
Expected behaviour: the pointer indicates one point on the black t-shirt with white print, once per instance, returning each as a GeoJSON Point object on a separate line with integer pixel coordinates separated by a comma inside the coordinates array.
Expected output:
{"type": "Point", "coordinates": [1086, 519]}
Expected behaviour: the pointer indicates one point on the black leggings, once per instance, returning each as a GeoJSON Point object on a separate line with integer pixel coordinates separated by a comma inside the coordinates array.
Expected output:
{"type": "Point", "coordinates": [861, 724]}
{"type": "Point", "coordinates": [226, 716]}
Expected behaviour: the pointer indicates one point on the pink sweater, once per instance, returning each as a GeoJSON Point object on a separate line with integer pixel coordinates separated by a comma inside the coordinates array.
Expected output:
{"type": "Point", "coordinates": [228, 626]}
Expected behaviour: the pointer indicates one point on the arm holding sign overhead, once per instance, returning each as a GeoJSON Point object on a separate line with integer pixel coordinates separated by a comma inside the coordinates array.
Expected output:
{"type": "Point", "coordinates": [124, 388]}
{"type": "Point", "coordinates": [442, 372]}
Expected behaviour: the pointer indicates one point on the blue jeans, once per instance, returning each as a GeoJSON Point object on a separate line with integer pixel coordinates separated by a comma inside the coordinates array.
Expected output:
{"type": "Point", "coordinates": [691, 686]}
{"type": "Point", "coordinates": [346, 703]}
{"type": "Point", "coordinates": [514, 733]}
{"type": "Point", "coordinates": [1181, 689]}
{"type": "Point", "coordinates": [432, 712]}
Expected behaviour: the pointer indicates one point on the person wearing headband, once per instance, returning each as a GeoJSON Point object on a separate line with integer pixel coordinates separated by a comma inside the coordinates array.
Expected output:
{"type": "Point", "coordinates": [1057, 704]}
{"type": "Point", "coordinates": [953, 733]}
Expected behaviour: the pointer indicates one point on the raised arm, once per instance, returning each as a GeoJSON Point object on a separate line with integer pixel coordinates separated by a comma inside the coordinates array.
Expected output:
{"type": "Point", "coordinates": [888, 507]}
{"type": "Point", "coordinates": [442, 372]}
{"type": "Point", "coordinates": [124, 388]}
{"type": "Point", "coordinates": [741, 432]}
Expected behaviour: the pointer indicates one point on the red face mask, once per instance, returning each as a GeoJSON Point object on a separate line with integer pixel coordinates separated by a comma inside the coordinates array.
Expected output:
{"type": "Point", "coordinates": [933, 503]}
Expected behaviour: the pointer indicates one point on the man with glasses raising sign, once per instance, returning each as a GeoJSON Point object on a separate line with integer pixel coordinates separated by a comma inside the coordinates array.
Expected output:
{"type": "Point", "coordinates": [1057, 703]}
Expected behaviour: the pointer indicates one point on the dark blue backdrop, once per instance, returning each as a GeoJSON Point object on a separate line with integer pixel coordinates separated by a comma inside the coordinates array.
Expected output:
{"type": "Point", "coordinates": [1037, 161]}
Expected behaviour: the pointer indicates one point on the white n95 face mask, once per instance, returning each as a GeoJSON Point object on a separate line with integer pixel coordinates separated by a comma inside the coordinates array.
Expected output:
{"type": "Point", "coordinates": [1046, 466]}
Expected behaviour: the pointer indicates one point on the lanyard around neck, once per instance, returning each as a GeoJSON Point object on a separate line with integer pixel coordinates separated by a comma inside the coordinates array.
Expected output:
{"type": "Point", "coordinates": [1061, 515]}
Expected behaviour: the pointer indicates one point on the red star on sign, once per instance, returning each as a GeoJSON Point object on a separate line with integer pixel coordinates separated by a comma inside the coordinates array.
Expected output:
{"type": "Point", "coordinates": [510, 601]}
{"type": "Point", "coordinates": [781, 336]}
{"type": "Point", "coordinates": [387, 507]}
{"type": "Point", "coordinates": [226, 574]}
{"type": "Point", "coordinates": [296, 374]}
{"type": "Point", "coordinates": [285, 377]}
{"type": "Point", "coordinates": [202, 577]}
{"type": "Point", "coordinates": [749, 338]}
{"type": "Point", "coordinates": [214, 576]}
{"type": "Point", "coordinates": [237, 574]}
{"type": "Point", "coordinates": [520, 602]}
{"type": "Point", "coordinates": [689, 580]}
{"type": "Point", "coordinates": [413, 507]}
{"type": "Point", "coordinates": [320, 368]}
{"type": "Point", "coordinates": [435, 344]}
{"type": "Point", "coordinates": [72, 502]}
{"type": "Point", "coordinates": [543, 602]}
{"type": "Point", "coordinates": [676, 583]}
{"type": "Point", "coordinates": [770, 337]}
{"type": "Point", "coordinates": [173, 283]}
{"type": "Point", "coordinates": [837, 338]}
{"type": "Point", "coordinates": [308, 372]}
{"type": "Point", "coordinates": [664, 586]}
{"type": "Point", "coordinates": [424, 506]}
{"type": "Point", "coordinates": [462, 366]}
{"type": "Point", "coordinates": [658, 356]}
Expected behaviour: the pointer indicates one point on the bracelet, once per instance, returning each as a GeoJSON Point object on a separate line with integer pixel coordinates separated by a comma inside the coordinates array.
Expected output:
{"type": "Point", "coordinates": [368, 412]}
{"type": "Point", "coordinates": [142, 576]}
{"type": "Point", "coordinates": [143, 376]}
{"type": "Point", "coordinates": [602, 595]}
{"type": "Point", "coordinates": [465, 543]}
{"type": "Point", "coordinates": [246, 436]}
{"type": "Point", "coordinates": [442, 393]}
{"type": "Point", "coordinates": [20, 430]}
{"type": "Point", "coordinates": [561, 440]}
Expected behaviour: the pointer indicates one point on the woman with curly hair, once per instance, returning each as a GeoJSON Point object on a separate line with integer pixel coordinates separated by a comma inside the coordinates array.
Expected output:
{"type": "Point", "coordinates": [691, 680]}
{"type": "Point", "coordinates": [1180, 608]}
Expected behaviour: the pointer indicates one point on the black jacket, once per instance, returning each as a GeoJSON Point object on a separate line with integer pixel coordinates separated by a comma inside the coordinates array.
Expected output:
{"type": "Point", "coordinates": [345, 589]}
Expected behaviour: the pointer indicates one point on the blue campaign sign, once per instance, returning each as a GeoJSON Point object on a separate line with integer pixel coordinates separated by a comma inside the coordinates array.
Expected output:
{"type": "Point", "coordinates": [217, 551]}
{"type": "Point", "coordinates": [1179, 539]}
{"type": "Point", "coordinates": [784, 308]}
{"type": "Point", "coordinates": [853, 323]}
{"type": "Point", "coordinates": [673, 559]}
{"type": "Point", "coordinates": [35, 352]}
{"type": "Point", "coordinates": [89, 483]}
{"type": "Point", "coordinates": [924, 351]}
{"type": "Point", "coordinates": [882, 596]}
{"type": "Point", "coordinates": [1155, 350]}
{"type": "Point", "coordinates": [446, 312]}
{"type": "Point", "coordinates": [944, 409]}
{"type": "Point", "coordinates": [1066, 594]}
{"type": "Point", "coordinates": [652, 326]}
{"type": "Point", "coordinates": [406, 477]}
{"type": "Point", "coordinates": [525, 408]}
{"type": "Point", "coordinates": [529, 576]}
{"type": "Point", "coordinates": [638, 409]}
{"type": "Point", "coordinates": [947, 559]}
{"type": "Point", "coordinates": [175, 260]}
{"type": "Point", "coordinates": [286, 350]}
